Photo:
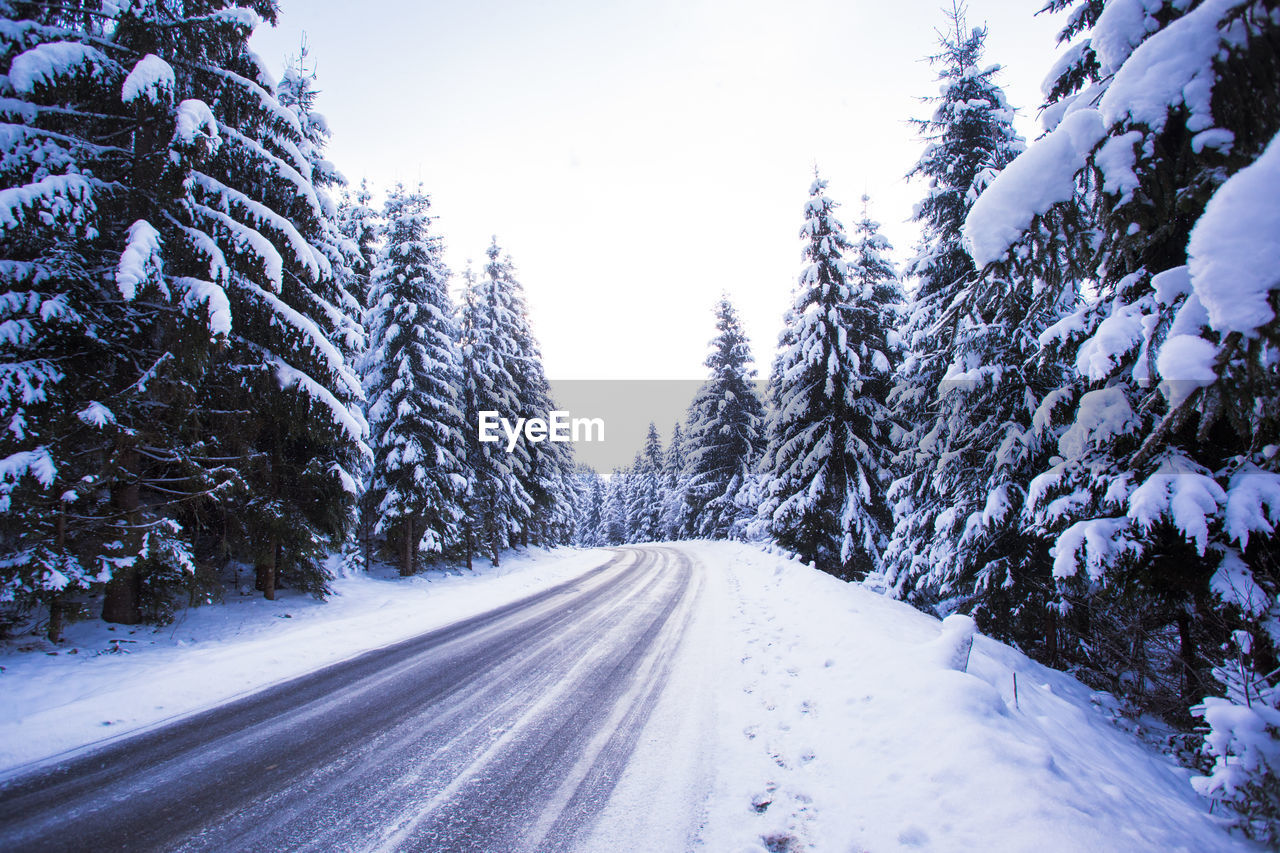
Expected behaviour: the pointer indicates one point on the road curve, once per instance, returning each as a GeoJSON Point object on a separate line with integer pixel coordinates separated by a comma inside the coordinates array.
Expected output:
{"type": "Point", "coordinates": [504, 732]}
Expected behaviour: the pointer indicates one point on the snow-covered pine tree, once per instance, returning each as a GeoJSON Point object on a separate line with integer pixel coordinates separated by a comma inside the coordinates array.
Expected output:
{"type": "Point", "coordinates": [723, 439]}
{"type": "Point", "coordinates": [163, 205]}
{"type": "Point", "coordinates": [829, 427]}
{"type": "Point", "coordinates": [588, 507]}
{"type": "Point", "coordinates": [543, 468]}
{"type": "Point", "coordinates": [413, 385]}
{"type": "Point", "coordinates": [1166, 490]}
{"type": "Point", "coordinates": [964, 542]}
{"type": "Point", "coordinates": [265, 232]}
{"type": "Point", "coordinates": [969, 136]}
{"type": "Point", "coordinates": [345, 235]}
{"type": "Point", "coordinates": [361, 228]}
{"type": "Point", "coordinates": [673, 521]}
{"type": "Point", "coordinates": [644, 500]}
{"type": "Point", "coordinates": [614, 512]}
{"type": "Point", "coordinates": [498, 503]}
{"type": "Point", "coordinates": [346, 293]}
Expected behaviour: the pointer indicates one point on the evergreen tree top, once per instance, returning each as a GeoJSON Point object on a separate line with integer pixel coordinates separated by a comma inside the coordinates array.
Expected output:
{"type": "Point", "coordinates": [730, 349]}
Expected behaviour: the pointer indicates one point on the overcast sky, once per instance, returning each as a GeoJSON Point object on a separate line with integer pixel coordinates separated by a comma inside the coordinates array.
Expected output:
{"type": "Point", "coordinates": [638, 158]}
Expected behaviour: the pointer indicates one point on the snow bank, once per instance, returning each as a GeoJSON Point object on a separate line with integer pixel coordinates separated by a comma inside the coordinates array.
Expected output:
{"type": "Point", "coordinates": [845, 723]}
{"type": "Point", "coordinates": [105, 681]}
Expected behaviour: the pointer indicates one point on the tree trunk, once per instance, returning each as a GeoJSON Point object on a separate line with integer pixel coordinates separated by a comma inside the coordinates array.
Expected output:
{"type": "Point", "coordinates": [1191, 692]}
{"type": "Point", "coordinates": [406, 557]}
{"type": "Point", "coordinates": [122, 602]}
{"type": "Point", "coordinates": [57, 611]}
{"type": "Point", "coordinates": [55, 599]}
{"type": "Point", "coordinates": [265, 569]}
{"type": "Point", "coordinates": [1051, 636]}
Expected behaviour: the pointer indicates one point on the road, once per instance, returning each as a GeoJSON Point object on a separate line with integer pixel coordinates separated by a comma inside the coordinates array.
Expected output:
{"type": "Point", "coordinates": [503, 732]}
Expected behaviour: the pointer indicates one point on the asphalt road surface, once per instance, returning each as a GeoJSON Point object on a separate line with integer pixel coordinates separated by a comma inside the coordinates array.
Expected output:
{"type": "Point", "coordinates": [504, 732]}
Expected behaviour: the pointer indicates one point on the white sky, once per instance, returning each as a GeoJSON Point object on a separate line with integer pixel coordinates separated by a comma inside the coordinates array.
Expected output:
{"type": "Point", "coordinates": [636, 159]}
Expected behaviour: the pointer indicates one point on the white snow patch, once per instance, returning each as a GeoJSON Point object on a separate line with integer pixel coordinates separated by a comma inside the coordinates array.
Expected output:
{"type": "Point", "coordinates": [152, 80]}
{"type": "Point", "coordinates": [1039, 178]}
{"type": "Point", "coordinates": [1234, 250]}
{"type": "Point", "coordinates": [839, 727]}
{"type": "Point", "coordinates": [140, 258]}
{"type": "Point", "coordinates": [43, 64]}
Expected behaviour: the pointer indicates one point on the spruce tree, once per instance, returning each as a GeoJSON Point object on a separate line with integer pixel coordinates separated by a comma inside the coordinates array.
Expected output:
{"type": "Point", "coordinates": [674, 509]}
{"type": "Point", "coordinates": [723, 440]}
{"type": "Point", "coordinates": [614, 509]}
{"type": "Point", "coordinates": [644, 501]}
{"type": "Point", "coordinates": [361, 228]}
{"type": "Point", "coordinates": [829, 426]}
{"type": "Point", "coordinates": [499, 505]}
{"type": "Point", "coordinates": [413, 386]}
{"type": "Point", "coordinates": [968, 137]}
{"type": "Point", "coordinates": [1163, 495]}
{"type": "Point", "coordinates": [163, 201]}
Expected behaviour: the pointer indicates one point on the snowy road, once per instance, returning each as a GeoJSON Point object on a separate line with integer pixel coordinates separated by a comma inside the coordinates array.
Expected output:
{"type": "Point", "coordinates": [507, 731]}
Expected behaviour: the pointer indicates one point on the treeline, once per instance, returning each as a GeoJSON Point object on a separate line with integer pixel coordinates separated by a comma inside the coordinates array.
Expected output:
{"type": "Point", "coordinates": [1069, 428]}
{"type": "Point", "coordinates": [206, 357]}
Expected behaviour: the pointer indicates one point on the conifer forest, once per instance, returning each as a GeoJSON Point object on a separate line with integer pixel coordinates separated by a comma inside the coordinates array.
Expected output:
{"type": "Point", "coordinates": [229, 370]}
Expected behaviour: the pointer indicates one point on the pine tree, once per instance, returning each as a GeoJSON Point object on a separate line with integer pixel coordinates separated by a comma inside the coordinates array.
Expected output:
{"type": "Point", "coordinates": [644, 501]}
{"type": "Point", "coordinates": [589, 507]}
{"type": "Point", "coordinates": [723, 439]}
{"type": "Point", "coordinates": [614, 511]}
{"type": "Point", "coordinates": [674, 509]}
{"type": "Point", "coordinates": [166, 210]}
{"type": "Point", "coordinates": [543, 469]}
{"type": "Point", "coordinates": [499, 505]}
{"type": "Point", "coordinates": [413, 383]}
{"type": "Point", "coordinates": [1165, 490]}
{"type": "Point", "coordinates": [829, 427]}
{"type": "Point", "coordinates": [969, 136]}
{"type": "Point", "coordinates": [361, 228]}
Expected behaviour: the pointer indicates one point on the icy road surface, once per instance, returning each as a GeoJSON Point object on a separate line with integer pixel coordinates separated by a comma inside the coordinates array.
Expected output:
{"type": "Point", "coordinates": [504, 732]}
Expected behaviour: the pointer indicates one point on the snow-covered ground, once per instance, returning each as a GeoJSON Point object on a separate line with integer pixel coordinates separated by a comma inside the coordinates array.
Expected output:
{"type": "Point", "coordinates": [801, 713]}
{"type": "Point", "coordinates": [106, 681]}
{"type": "Point", "coordinates": [841, 727]}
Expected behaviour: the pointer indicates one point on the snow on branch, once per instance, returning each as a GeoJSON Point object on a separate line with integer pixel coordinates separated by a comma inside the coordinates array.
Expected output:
{"type": "Point", "coordinates": [68, 197]}
{"type": "Point", "coordinates": [350, 420]}
{"type": "Point", "coordinates": [212, 297]}
{"type": "Point", "coordinates": [151, 80]}
{"type": "Point", "coordinates": [311, 333]}
{"type": "Point", "coordinates": [1234, 250]}
{"type": "Point", "coordinates": [36, 463]}
{"type": "Point", "coordinates": [44, 64]}
{"type": "Point", "coordinates": [1037, 179]}
{"type": "Point", "coordinates": [140, 259]}
{"type": "Point", "coordinates": [306, 255]}
{"type": "Point", "coordinates": [1170, 68]}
